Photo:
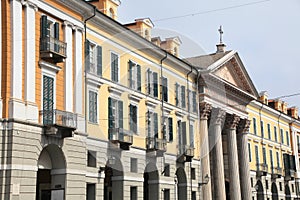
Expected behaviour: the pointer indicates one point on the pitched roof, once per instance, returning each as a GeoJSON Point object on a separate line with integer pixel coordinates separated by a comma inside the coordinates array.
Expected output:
{"type": "Point", "coordinates": [205, 61]}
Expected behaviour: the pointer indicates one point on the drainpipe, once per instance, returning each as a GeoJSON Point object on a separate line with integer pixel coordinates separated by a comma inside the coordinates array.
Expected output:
{"type": "Point", "coordinates": [85, 72]}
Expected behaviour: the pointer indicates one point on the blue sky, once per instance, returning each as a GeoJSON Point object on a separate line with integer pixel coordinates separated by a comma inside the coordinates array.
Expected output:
{"type": "Point", "coordinates": [266, 34]}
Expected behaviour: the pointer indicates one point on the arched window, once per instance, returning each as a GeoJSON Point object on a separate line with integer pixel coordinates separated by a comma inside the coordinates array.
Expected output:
{"type": "Point", "coordinates": [111, 13]}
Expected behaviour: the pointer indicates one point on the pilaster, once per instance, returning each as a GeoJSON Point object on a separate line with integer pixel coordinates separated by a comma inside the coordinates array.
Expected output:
{"type": "Point", "coordinates": [0, 59]}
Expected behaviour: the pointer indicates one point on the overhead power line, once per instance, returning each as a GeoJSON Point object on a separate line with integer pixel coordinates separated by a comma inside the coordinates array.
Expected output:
{"type": "Point", "coordinates": [210, 11]}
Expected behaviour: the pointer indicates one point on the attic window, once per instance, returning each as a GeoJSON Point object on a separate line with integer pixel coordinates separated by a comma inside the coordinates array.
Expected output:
{"type": "Point", "coordinates": [147, 35]}
{"type": "Point", "coordinates": [175, 51]}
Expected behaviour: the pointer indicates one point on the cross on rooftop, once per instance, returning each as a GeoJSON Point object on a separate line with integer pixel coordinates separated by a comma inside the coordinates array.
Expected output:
{"type": "Point", "coordinates": [221, 33]}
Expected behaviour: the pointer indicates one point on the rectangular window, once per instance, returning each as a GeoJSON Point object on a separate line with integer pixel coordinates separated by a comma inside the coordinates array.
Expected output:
{"type": "Point", "coordinates": [277, 159]}
{"type": "Point", "coordinates": [133, 165]}
{"type": "Point", "coordinates": [180, 97]}
{"type": "Point", "coordinates": [269, 131]}
{"type": "Point", "coordinates": [48, 99]}
{"type": "Point", "coordinates": [166, 194]}
{"type": "Point", "coordinates": [183, 103]}
{"type": "Point", "coordinates": [93, 107]}
{"type": "Point", "coordinates": [271, 160]}
{"type": "Point", "coordinates": [287, 138]}
{"type": "Point", "coordinates": [115, 113]}
{"type": "Point", "coordinates": [281, 136]}
{"type": "Point", "coordinates": [91, 158]}
{"type": "Point", "coordinates": [90, 191]}
{"type": "Point", "coordinates": [170, 129]}
{"type": "Point", "coordinates": [50, 32]}
{"type": "Point", "coordinates": [164, 89]}
{"type": "Point", "coordinates": [249, 150]}
{"type": "Point", "coordinates": [134, 75]}
{"type": "Point", "coordinates": [152, 124]}
{"type": "Point", "coordinates": [193, 173]}
{"type": "Point", "coordinates": [167, 169]}
{"type": "Point", "coordinates": [114, 67]}
{"type": "Point", "coordinates": [133, 118]}
{"type": "Point", "coordinates": [264, 155]}
{"type": "Point", "coordinates": [152, 83]}
{"type": "Point", "coordinates": [133, 193]}
{"type": "Point", "coordinates": [256, 155]}
{"type": "Point", "coordinates": [262, 129]}
{"type": "Point", "coordinates": [275, 134]}
{"type": "Point", "coordinates": [191, 135]}
{"type": "Point", "coordinates": [254, 126]}
{"type": "Point", "coordinates": [94, 61]}
{"type": "Point", "coordinates": [194, 101]}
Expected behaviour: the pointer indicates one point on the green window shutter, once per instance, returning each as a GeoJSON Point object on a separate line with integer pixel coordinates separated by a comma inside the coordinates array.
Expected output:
{"type": "Point", "coordinates": [262, 129]}
{"type": "Point", "coordinates": [256, 155]}
{"type": "Point", "coordinates": [92, 107]}
{"type": "Point", "coordinates": [277, 159]}
{"type": "Point", "coordinates": [148, 122]}
{"type": "Point", "coordinates": [87, 55]}
{"type": "Point", "coordinates": [191, 135]}
{"type": "Point", "coordinates": [114, 67]}
{"type": "Point", "coordinates": [292, 162]}
{"type": "Point", "coordinates": [179, 134]}
{"type": "Point", "coordinates": [183, 96]}
{"type": "Point", "coordinates": [149, 74]}
{"type": "Point", "coordinates": [271, 159]}
{"type": "Point", "coordinates": [155, 122]}
{"type": "Point", "coordinates": [282, 137]}
{"type": "Point", "coordinates": [139, 82]}
{"type": "Point", "coordinates": [264, 156]}
{"type": "Point", "coordinates": [133, 118]}
{"type": "Point", "coordinates": [110, 114]}
{"type": "Point", "coordinates": [99, 60]}
{"type": "Point", "coordinates": [286, 161]}
{"type": "Point", "coordinates": [44, 26]}
{"type": "Point", "coordinates": [269, 131]}
{"type": "Point", "coordinates": [120, 112]}
{"type": "Point", "coordinates": [48, 90]}
{"type": "Point", "coordinates": [287, 138]}
{"type": "Point", "coordinates": [155, 84]}
{"type": "Point", "coordinates": [165, 89]}
{"type": "Point", "coordinates": [183, 125]}
{"type": "Point", "coordinates": [275, 134]}
{"type": "Point", "coordinates": [170, 124]}
{"type": "Point", "coordinates": [177, 94]}
{"type": "Point", "coordinates": [56, 30]}
{"type": "Point", "coordinates": [130, 66]}
{"type": "Point", "coordinates": [194, 102]}
{"type": "Point", "coordinates": [254, 126]}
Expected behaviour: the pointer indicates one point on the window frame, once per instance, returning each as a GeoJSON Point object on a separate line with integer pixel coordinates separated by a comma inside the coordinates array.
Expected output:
{"type": "Point", "coordinates": [95, 110]}
{"type": "Point", "coordinates": [111, 66]}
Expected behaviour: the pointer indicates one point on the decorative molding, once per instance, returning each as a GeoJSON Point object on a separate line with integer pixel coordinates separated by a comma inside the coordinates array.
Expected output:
{"type": "Point", "coordinates": [232, 121]}
{"type": "Point", "coordinates": [217, 116]}
{"type": "Point", "coordinates": [49, 66]}
{"type": "Point", "coordinates": [244, 126]}
{"type": "Point", "coordinates": [205, 109]}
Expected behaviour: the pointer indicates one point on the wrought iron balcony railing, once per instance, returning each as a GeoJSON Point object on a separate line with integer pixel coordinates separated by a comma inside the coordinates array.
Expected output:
{"type": "Point", "coordinates": [120, 135]}
{"type": "Point", "coordinates": [262, 169]}
{"type": "Point", "coordinates": [156, 144]}
{"type": "Point", "coordinates": [276, 172]}
{"type": "Point", "coordinates": [52, 48]}
{"type": "Point", "coordinates": [59, 118]}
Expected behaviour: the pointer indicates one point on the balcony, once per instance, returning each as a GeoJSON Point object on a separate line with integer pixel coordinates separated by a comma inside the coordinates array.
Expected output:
{"type": "Point", "coordinates": [276, 172]}
{"type": "Point", "coordinates": [289, 174]}
{"type": "Point", "coordinates": [186, 154]}
{"type": "Point", "coordinates": [262, 169]}
{"type": "Point", "coordinates": [52, 49]}
{"type": "Point", "coordinates": [120, 136]}
{"type": "Point", "coordinates": [58, 123]}
{"type": "Point", "coordinates": [156, 146]}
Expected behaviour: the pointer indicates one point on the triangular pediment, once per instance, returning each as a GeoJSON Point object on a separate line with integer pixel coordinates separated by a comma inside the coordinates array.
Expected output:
{"type": "Point", "coordinates": [232, 71]}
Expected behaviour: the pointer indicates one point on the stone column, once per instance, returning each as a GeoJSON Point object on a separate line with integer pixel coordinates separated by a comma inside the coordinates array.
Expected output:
{"type": "Point", "coordinates": [243, 130]}
{"type": "Point", "coordinates": [231, 124]}
{"type": "Point", "coordinates": [217, 119]}
{"type": "Point", "coordinates": [205, 109]}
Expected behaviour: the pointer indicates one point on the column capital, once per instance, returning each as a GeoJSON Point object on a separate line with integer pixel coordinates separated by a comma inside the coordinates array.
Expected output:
{"type": "Point", "coordinates": [205, 109]}
{"type": "Point", "coordinates": [244, 126]}
{"type": "Point", "coordinates": [232, 120]}
{"type": "Point", "coordinates": [70, 24]}
{"type": "Point", "coordinates": [217, 116]}
{"type": "Point", "coordinates": [29, 4]}
{"type": "Point", "coordinates": [78, 28]}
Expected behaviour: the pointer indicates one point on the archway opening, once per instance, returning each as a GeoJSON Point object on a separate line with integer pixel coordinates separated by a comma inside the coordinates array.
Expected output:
{"type": "Point", "coordinates": [182, 184]}
{"type": "Point", "coordinates": [260, 190]}
{"type": "Point", "coordinates": [274, 191]}
{"type": "Point", "coordinates": [287, 192]}
{"type": "Point", "coordinates": [113, 181]}
{"type": "Point", "coordinates": [51, 175]}
{"type": "Point", "coordinates": [151, 187]}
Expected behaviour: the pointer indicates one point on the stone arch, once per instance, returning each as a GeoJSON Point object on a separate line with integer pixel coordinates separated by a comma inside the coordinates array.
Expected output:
{"type": "Point", "coordinates": [51, 172]}
{"type": "Point", "coordinates": [274, 191]}
{"type": "Point", "coordinates": [181, 184]}
{"type": "Point", "coordinates": [151, 182]}
{"type": "Point", "coordinates": [260, 190]}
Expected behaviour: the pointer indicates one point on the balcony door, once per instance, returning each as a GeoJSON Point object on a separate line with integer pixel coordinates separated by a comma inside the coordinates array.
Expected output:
{"type": "Point", "coordinates": [48, 99]}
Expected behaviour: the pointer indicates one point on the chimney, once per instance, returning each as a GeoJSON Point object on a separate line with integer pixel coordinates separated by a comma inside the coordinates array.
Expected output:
{"type": "Point", "coordinates": [221, 46]}
{"type": "Point", "coordinates": [284, 106]}
{"type": "Point", "coordinates": [171, 45]}
{"type": "Point", "coordinates": [108, 7]}
{"type": "Point", "coordinates": [293, 112]}
{"type": "Point", "coordinates": [263, 97]}
{"type": "Point", "coordinates": [142, 26]}
{"type": "Point", "coordinates": [277, 104]}
{"type": "Point", "coordinates": [156, 41]}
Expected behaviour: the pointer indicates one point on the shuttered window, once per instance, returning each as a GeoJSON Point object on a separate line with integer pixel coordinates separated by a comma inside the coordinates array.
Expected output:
{"type": "Point", "coordinates": [165, 89]}
{"type": "Point", "coordinates": [277, 159]}
{"type": "Point", "coordinates": [191, 135]}
{"type": "Point", "coordinates": [133, 118]}
{"type": "Point", "coordinates": [48, 99]}
{"type": "Point", "coordinates": [152, 124]}
{"type": "Point", "coordinates": [254, 126]}
{"type": "Point", "coordinates": [183, 103]}
{"type": "Point", "coordinates": [194, 101]}
{"type": "Point", "coordinates": [256, 155]}
{"type": "Point", "coordinates": [180, 96]}
{"type": "Point", "coordinates": [170, 129]}
{"type": "Point", "coordinates": [92, 106]}
{"type": "Point", "coordinates": [181, 132]}
{"type": "Point", "coordinates": [99, 60]}
{"type": "Point", "coordinates": [115, 113]}
{"type": "Point", "coordinates": [287, 138]}
{"type": "Point", "coordinates": [281, 136]}
{"type": "Point", "coordinates": [269, 131]}
{"type": "Point", "coordinates": [114, 67]}
{"type": "Point", "coordinates": [271, 160]}
{"type": "Point", "coordinates": [152, 83]}
{"type": "Point", "coordinates": [262, 129]}
{"type": "Point", "coordinates": [134, 75]}
{"type": "Point", "coordinates": [49, 29]}
{"type": "Point", "coordinates": [93, 62]}
{"type": "Point", "coordinates": [275, 134]}
{"type": "Point", "coordinates": [264, 155]}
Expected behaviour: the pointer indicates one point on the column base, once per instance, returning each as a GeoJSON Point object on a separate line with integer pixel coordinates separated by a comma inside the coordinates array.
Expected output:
{"type": "Point", "coordinates": [16, 109]}
{"type": "Point", "coordinates": [31, 112]}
